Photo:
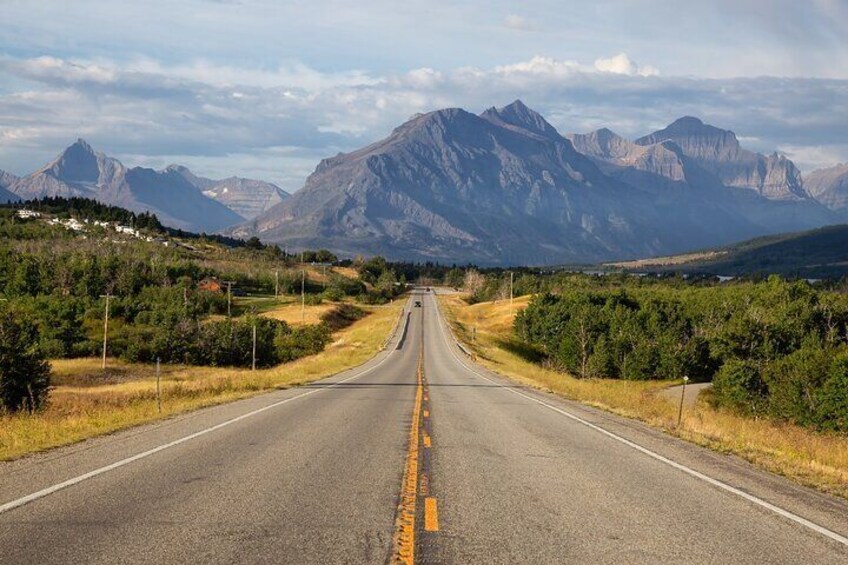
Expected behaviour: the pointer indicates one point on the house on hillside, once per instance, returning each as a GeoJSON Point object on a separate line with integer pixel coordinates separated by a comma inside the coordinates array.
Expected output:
{"type": "Point", "coordinates": [26, 214]}
{"type": "Point", "coordinates": [210, 284]}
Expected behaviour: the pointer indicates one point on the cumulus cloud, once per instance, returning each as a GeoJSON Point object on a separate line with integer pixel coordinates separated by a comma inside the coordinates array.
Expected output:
{"type": "Point", "coordinates": [621, 64]}
{"type": "Point", "coordinates": [278, 123]}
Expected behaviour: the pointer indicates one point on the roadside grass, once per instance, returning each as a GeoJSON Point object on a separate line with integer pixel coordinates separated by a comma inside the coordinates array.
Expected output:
{"type": "Point", "coordinates": [88, 402]}
{"type": "Point", "coordinates": [819, 460]}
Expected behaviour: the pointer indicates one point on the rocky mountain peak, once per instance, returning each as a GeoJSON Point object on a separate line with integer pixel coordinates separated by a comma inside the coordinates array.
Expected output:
{"type": "Point", "coordinates": [519, 115]}
{"type": "Point", "coordinates": [77, 163]}
{"type": "Point", "coordinates": [697, 139]}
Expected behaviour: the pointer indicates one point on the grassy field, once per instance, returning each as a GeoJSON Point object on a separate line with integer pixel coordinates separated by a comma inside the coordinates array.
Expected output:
{"type": "Point", "coordinates": [814, 459]}
{"type": "Point", "coordinates": [87, 401]}
{"type": "Point", "coordinates": [290, 311]}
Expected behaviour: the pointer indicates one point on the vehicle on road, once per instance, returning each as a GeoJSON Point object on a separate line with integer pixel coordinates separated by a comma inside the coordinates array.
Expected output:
{"type": "Point", "coordinates": [418, 304]}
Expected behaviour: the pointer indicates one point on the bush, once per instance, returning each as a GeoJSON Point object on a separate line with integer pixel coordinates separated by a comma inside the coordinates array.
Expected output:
{"type": "Point", "coordinates": [740, 385]}
{"type": "Point", "coordinates": [832, 397]}
{"type": "Point", "coordinates": [24, 371]}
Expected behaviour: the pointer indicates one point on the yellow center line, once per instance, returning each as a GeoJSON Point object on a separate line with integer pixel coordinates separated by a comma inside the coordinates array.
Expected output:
{"type": "Point", "coordinates": [404, 538]}
{"type": "Point", "coordinates": [427, 441]}
{"type": "Point", "coordinates": [431, 515]}
{"type": "Point", "coordinates": [426, 413]}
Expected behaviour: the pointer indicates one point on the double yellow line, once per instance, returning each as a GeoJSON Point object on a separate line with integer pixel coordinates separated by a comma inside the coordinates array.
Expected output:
{"type": "Point", "coordinates": [405, 524]}
{"type": "Point", "coordinates": [404, 539]}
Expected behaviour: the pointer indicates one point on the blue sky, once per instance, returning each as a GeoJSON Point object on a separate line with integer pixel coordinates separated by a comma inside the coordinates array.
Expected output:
{"type": "Point", "coordinates": [266, 89]}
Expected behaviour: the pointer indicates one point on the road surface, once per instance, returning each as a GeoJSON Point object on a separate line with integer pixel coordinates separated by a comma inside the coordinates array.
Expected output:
{"type": "Point", "coordinates": [417, 456]}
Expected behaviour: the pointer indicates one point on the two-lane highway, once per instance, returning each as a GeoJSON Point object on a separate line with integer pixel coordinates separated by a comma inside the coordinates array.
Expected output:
{"type": "Point", "coordinates": [418, 456]}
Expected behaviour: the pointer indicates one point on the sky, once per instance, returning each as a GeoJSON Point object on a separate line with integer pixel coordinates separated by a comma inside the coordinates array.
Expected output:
{"type": "Point", "coordinates": [266, 89]}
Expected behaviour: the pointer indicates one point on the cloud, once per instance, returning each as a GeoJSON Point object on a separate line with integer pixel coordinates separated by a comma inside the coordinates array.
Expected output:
{"type": "Point", "coordinates": [540, 66]}
{"type": "Point", "coordinates": [621, 64]}
{"type": "Point", "coordinates": [809, 158]}
{"type": "Point", "coordinates": [278, 122]}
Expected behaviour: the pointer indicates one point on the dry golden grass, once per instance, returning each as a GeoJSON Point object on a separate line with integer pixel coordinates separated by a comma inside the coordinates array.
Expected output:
{"type": "Point", "coordinates": [86, 402]}
{"type": "Point", "coordinates": [814, 459]}
{"type": "Point", "coordinates": [348, 272]}
{"type": "Point", "coordinates": [291, 312]}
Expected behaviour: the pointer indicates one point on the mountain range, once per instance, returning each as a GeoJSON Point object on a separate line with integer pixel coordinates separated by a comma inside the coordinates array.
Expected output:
{"type": "Point", "coordinates": [497, 188]}
{"type": "Point", "coordinates": [178, 197]}
{"type": "Point", "coordinates": [505, 187]}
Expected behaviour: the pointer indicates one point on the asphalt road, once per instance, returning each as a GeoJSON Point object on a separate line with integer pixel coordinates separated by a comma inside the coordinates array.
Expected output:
{"type": "Point", "coordinates": [336, 472]}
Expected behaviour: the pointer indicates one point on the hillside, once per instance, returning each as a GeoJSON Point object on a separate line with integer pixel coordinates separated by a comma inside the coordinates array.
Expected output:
{"type": "Point", "coordinates": [819, 253]}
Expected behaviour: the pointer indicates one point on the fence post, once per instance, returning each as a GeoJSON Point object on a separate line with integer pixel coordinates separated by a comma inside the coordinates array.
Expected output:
{"type": "Point", "coordinates": [158, 387]}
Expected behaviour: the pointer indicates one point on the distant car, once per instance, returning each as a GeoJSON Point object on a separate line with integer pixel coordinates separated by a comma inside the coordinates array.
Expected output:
{"type": "Point", "coordinates": [427, 289]}
{"type": "Point", "coordinates": [418, 304]}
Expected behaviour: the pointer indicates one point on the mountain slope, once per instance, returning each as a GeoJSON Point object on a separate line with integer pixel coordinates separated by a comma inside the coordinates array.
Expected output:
{"type": "Point", "coordinates": [830, 187]}
{"type": "Point", "coordinates": [246, 197]}
{"type": "Point", "coordinates": [80, 171]}
{"type": "Point", "coordinates": [6, 180]}
{"type": "Point", "coordinates": [818, 253]}
{"type": "Point", "coordinates": [499, 188]}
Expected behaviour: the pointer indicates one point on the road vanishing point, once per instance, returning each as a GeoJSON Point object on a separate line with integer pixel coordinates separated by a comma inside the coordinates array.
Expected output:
{"type": "Point", "coordinates": [418, 456]}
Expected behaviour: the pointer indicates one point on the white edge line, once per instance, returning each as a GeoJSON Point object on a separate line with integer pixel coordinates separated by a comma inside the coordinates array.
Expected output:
{"type": "Point", "coordinates": [91, 474]}
{"type": "Point", "coordinates": [679, 466]}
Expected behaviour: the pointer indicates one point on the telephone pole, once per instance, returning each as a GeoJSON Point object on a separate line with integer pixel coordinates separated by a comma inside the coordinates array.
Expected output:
{"type": "Point", "coordinates": [511, 277]}
{"type": "Point", "coordinates": [276, 284]}
{"type": "Point", "coordinates": [107, 296]}
{"type": "Point", "coordinates": [229, 297]}
{"type": "Point", "coordinates": [303, 296]}
{"type": "Point", "coordinates": [253, 365]}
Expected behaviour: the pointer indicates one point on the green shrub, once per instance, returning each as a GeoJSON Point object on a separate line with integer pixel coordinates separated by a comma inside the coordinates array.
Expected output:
{"type": "Point", "coordinates": [740, 385]}
{"type": "Point", "coordinates": [24, 370]}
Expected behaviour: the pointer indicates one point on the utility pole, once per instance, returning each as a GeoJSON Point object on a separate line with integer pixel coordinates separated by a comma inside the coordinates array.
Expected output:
{"type": "Point", "coordinates": [229, 298]}
{"type": "Point", "coordinates": [107, 296]}
{"type": "Point", "coordinates": [303, 296]}
{"type": "Point", "coordinates": [276, 284]}
{"type": "Point", "coordinates": [511, 277]}
{"type": "Point", "coordinates": [253, 365]}
{"type": "Point", "coordinates": [324, 280]}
